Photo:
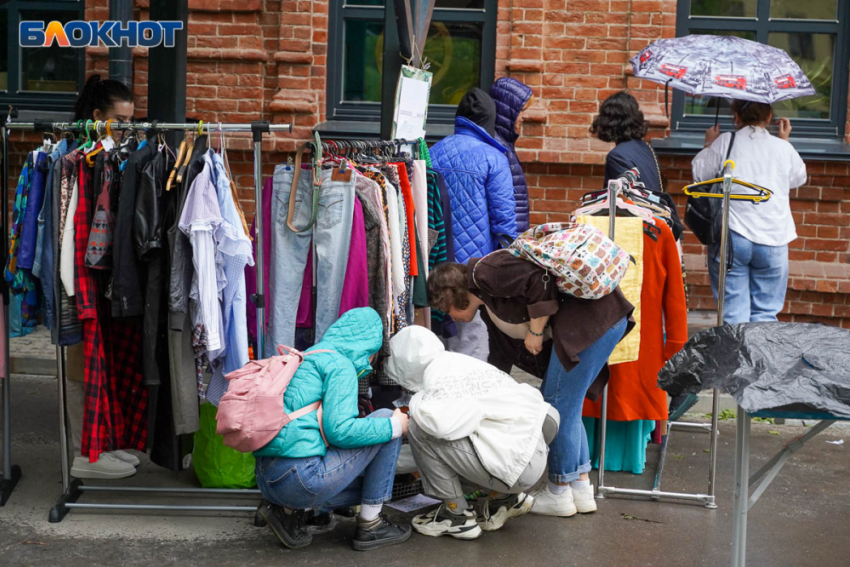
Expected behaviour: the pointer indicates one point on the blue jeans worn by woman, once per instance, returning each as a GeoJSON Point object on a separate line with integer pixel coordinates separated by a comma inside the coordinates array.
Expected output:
{"type": "Point", "coordinates": [756, 284]}
{"type": "Point", "coordinates": [343, 477]}
{"type": "Point", "coordinates": [569, 457]}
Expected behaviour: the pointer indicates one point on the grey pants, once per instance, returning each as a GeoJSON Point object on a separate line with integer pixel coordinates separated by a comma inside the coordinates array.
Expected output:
{"type": "Point", "coordinates": [445, 464]}
{"type": "Point", "coordinates": [472, 339]}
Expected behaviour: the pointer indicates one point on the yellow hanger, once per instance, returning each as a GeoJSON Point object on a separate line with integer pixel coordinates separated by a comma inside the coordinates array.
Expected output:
{"type": "Point", "coordinates": [764, 196]}
{"type": "Point", "coordinates": [91, 155]}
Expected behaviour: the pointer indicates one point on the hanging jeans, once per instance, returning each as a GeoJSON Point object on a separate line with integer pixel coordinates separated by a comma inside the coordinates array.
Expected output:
{"type": "Point", "coordinates": [343, 477]}
{"type": "Point", "coordinates": [332, 233]}
{"type": "Point", "coordinates": [569, 456]}
{"type": "Point", "coordinates": [756, 284]}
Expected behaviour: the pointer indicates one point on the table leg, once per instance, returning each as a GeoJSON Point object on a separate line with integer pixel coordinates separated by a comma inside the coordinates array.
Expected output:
{"type": "Point", "coordinates": [741, 489]}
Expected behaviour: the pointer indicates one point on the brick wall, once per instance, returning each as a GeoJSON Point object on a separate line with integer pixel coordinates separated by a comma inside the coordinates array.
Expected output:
{"type": "Point", "coordinates": [251, 59]}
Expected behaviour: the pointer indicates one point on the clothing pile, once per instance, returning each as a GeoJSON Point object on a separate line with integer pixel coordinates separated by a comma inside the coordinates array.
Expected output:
{"type": "Point", "coordinates": [147, 273]}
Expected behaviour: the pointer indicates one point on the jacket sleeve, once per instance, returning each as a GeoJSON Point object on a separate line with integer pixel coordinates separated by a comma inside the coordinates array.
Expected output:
{"type": "Point", "coordinates": [448, 420]}
{"type": "Point", "coordinates": [614, 166]}
{"type": "Point", "coordinates": [504, 275]}
{"type": "Point", "coordinates": [339, 410]}
{"type": "Point", "coordinates": [501, 204]}
{"type": "Point", "coordinates": [674, 303]}
{"type": "Point", "coordinates": [799, 176]}
{"type": "Point", "coordinates": [708, 162]}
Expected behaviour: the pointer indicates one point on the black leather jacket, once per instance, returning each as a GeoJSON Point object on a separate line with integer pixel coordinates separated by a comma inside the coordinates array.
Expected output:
{"type": "Point", "coordinates": [147, 222]}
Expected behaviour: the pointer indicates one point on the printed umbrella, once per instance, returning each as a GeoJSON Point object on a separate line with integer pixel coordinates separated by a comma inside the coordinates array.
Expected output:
{"type": "Point", "coordinates": [723, 66]}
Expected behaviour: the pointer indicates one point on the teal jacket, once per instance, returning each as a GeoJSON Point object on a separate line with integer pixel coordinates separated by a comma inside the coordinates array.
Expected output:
{"type": "Point", "coordinates": [332, 378]}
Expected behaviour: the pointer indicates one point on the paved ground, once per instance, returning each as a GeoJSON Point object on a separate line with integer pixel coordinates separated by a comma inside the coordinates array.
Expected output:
{"type": "Point", "coordinates": [802, 521]}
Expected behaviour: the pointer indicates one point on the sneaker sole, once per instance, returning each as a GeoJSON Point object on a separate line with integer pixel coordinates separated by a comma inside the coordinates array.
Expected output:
{"type": "Point", "coordinates": [471, 532]}
{"type": "Point", "coordinates": [370, 545]}
{"type": "Point", "coordinates": [501, 519]}
{"type": "Point", "coordinates": [556, 513]}
{"type": "Point", "coordinates": [100, 475]}
{"type": "Point", "coordinates": [284, 537]}
{"type": "Point", "coordinates": [590, 509]}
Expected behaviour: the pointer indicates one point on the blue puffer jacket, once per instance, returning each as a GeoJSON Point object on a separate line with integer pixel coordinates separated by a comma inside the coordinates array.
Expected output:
{"type": "Point", "coordinates": [332, 377]}
{"type": "Point", "coordinates": [511, 97]}
{"type": "Point", "coordinates": [478, 178]}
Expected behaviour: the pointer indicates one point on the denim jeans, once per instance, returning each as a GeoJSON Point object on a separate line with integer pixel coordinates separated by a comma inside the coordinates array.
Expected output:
{"type": "Point", "coordinates": [332, 232]}
{"type": "Point", "coordinates": [343, 477]}
{"type": "Point", "coordinates": [569, 456]}
{"type": "Point", "coordinates": [755, 286]}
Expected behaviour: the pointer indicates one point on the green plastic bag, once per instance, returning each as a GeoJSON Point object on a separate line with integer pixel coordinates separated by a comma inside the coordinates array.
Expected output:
{"type": "Point", "coordinates": [216, 465]}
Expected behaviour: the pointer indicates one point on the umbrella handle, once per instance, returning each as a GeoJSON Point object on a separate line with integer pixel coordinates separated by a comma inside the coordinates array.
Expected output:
{"type": "Point", "coordinates": [667, 98]}
{"type": "Point", "coordinates": [717, 113]}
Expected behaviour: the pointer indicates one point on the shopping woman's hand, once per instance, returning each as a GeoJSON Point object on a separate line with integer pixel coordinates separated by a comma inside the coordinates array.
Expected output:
{"type": "Point", "coordinates": [784, 128]}
{"type": "Point", "coordinates": [403, 420]}
{"type": "Point", "coordinates": [533, 344]}
{"type": "Point", "coordinates": [711, 134]}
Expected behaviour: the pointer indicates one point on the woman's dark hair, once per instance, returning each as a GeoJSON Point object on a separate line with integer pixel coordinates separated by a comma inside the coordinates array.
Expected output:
{"type": "Point", "coordinates": [620, 119]}
{"type": "Point", "coordinates": [448, 286]}
{"type": "Point", "coordinates": [100, 95]}
{"type": "Point", "coordinates": [751, 113]}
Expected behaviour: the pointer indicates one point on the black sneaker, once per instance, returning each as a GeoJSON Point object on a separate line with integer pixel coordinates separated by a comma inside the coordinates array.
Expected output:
{"type": "Point", "coordinates": [378, 533]}
{"type": "Point", "coordinates": [496, 512]}
{"type": "Point", "coordinates": [287, 525]}
{"type": "Point", "coordinates": [442, 521]}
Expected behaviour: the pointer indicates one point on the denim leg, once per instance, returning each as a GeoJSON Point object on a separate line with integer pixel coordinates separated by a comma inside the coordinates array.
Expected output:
{"type": "Point", "coordinates": [736, 308]}
{"type": "Point", "coordinates": [768, 281]}
{"type": "Point", "coordinates": [289, 256]}
{"type": "Point", "coordinates": [333, 240]}
{"type": "Point", "coordinates": [565, 390]}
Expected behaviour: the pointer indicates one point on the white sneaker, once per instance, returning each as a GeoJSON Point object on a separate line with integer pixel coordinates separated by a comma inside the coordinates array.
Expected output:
{"type": "Point", "coordinates": [126, 457]}
{"type": "Point", "coordinates": [442, 522]}
{"type": "Point", "coordinates": [584, 499]}
{"type": "Point", "coordinates": [107, 467]}
{"type": "Point", "coordinates": [546, 503]}
{"type": "Point", "coordinates": [496, 512]}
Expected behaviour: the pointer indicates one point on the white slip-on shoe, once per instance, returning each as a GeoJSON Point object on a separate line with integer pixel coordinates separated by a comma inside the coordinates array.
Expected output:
{"type": "Point", "coordinates": [546, 503]}
{"type": "Point", "coordinates": [584, 499]}
{"type": "Point", "coordinates": [496, 512]}
{"type": "Point", "coordinates": [442, 522]}
{"type": "Point", "coordinates": [126, 457]}
{"type": "Point", "coordinates": [107, 467]}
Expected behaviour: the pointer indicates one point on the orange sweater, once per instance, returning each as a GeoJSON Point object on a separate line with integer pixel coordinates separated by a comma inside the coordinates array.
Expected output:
{"type": "Point", "coordinates": [633, 392]}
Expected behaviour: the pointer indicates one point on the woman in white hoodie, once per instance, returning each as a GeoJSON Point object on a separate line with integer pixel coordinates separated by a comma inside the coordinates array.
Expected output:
{"type": "Point", "coordinates": [473, 422]}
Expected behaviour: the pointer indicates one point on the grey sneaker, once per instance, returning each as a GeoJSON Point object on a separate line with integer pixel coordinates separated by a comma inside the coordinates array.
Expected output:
{"type": "Point", "coordinates": [287, 525]}
{"type": "Point", "coordinates": [442, 522]}
{"type": "Point", "coordinates": [378, 533]}
{"type": "Point", "coordinates": [496, 512]}
{"type": "Point", "coordinates": [107, 467]}
{"type": "Point", "coordinates": [126, 457]}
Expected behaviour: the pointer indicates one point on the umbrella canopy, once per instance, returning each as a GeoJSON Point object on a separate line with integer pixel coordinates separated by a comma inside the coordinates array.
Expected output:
{"type": "Point", "coordinates": [723, 66]}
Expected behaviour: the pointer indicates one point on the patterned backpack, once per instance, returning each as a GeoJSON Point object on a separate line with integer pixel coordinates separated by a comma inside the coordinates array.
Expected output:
{"type": "Point", "coordinates": [585, 262]}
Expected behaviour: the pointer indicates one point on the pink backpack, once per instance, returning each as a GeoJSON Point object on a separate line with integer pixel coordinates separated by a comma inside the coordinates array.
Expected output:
{"type": "Point", "coordinates": [250, 414]}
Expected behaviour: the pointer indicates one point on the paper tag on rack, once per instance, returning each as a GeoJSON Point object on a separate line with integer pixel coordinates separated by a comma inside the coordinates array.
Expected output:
{"type": "Point", "coordinates": [108, 143]}
{"type": "Point", "coordinates": [411, 103]}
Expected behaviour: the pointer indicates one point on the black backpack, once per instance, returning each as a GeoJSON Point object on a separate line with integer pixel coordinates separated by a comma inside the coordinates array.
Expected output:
{"type": "Point", "coordinates": [704, 216]}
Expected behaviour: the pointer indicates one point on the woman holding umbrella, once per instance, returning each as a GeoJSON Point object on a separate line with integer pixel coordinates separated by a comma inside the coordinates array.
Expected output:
{"type": "Point", "coordinates": [756, 283]}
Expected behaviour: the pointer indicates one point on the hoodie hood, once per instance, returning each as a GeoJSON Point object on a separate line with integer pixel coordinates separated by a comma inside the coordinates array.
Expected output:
{"type": "Point", "coordinates": [357, 335]}
{"type": "Point", "coordinates": [465, 127]}
{"type": "Point", "coordinates": [412, 350]}
{"type": "Point", "coordinates": [510, 97]}
{"type": "Point", "coordinates": [477, 107]}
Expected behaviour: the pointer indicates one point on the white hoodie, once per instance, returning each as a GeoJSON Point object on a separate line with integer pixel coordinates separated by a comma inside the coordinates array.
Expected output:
{"type": "Point", "coordinates": [459, 396]}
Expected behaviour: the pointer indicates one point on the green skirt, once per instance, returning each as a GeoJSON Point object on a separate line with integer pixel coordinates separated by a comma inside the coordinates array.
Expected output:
{"type": "Point", "coordinates": [626, 443]}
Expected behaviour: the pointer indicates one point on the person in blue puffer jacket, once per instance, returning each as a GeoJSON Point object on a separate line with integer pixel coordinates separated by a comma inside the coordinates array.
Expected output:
{"type": "Point", "coordinates": [478, 178]}
{"type": "Point", "coordinates": [511, 98]}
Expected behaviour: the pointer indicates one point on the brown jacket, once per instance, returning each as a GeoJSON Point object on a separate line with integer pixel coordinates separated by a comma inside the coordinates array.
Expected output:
{"type": "Point", "coordinates": [517, 291]}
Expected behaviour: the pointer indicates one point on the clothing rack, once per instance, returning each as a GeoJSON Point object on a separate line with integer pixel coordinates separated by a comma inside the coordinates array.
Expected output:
{"type": "Point", "coordinates": [615, 187]}
{"type": "Point", "coordinates": [73, 489]}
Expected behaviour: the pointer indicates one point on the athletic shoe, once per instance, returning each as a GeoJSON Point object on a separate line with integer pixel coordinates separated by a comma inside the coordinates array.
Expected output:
{"type": "Point", "coordinates": [442, 522]}
{"type": "Point", "coordinates": [377, 533]}
{"type": "Point", "coordinates": [546, 503]}
{"type": "Point", "coordinates": [286, 524]}
{"type": "Point", "coordinates": [496, 512]}
{"type": "Point", "coordinates": [107, 467]}
{"type": "Point", "coordinates": [584, 499]}
{"type": "Point", "coordinates": [126, 457]}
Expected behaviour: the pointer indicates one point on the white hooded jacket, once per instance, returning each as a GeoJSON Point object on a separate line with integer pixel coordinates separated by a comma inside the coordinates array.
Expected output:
{"type": "Point", "coordinates": [459, 396]}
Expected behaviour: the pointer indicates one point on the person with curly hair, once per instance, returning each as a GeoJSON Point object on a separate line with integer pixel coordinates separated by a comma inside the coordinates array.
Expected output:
{"type": "Point", "coordinates": [621, 121]}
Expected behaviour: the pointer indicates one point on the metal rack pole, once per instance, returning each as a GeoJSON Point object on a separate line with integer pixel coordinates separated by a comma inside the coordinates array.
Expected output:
{"type": "Point", "coordinates": [11, 474]}
{"type": "Point", "coordinates": [73, 488]}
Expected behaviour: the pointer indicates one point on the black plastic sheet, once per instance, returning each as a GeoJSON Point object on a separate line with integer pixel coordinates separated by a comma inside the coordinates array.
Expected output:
{"type": "Point", "coordinates": [788, 366]}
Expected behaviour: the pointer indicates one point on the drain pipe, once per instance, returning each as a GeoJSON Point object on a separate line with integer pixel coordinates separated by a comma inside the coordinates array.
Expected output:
{"type": "Point", "coordinates": [121, 57]}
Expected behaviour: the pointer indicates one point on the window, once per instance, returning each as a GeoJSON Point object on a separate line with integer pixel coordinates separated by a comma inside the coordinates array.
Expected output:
{"type": "Point", "coordinates": [44, 78]}
{"type": "Point", "coordinates": [461, 49]}
{"type": "Point", "coordinates": [813, 32]}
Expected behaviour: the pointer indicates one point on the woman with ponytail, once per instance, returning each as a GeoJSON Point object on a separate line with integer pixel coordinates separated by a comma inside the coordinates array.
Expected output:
{"type": "Point", "coordinates": [104, 100]}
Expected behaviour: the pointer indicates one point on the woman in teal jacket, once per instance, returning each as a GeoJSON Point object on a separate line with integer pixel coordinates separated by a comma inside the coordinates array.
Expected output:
{"type": "Point", "coordinates": [298, 471]}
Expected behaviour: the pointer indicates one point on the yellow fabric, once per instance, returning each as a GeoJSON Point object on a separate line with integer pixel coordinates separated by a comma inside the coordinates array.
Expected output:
{"type": "Point", "coordinates": [628, 234]}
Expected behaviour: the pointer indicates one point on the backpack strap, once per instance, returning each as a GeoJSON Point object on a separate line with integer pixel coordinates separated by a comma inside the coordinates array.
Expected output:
{"type": "Point", "coordinates": [314, 407]}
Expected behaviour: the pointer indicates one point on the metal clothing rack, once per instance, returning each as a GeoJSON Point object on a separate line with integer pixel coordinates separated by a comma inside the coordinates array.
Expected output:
{"type": "Point", "coordinates": [73, 488]}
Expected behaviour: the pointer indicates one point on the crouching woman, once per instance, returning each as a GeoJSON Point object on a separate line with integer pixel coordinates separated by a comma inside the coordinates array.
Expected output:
{"type": "Point", "coordinates": [298, 470]}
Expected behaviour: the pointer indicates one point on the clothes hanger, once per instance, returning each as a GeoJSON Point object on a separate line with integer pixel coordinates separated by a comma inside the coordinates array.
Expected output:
{"type": "Point", "coordinates": [105, 141]}
{"type": "Point", "coordinates": [764, 193]}
{"type": "Point", "coordinates": [181, 155]}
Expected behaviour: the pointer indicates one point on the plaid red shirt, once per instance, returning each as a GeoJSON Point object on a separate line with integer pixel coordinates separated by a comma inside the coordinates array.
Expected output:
{"type": "Point", "coordinates": [116, 399]}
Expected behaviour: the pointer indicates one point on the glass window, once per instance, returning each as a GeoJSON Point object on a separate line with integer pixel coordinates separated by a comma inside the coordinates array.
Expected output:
{"type": "Point", "coordinates": [804, 10]}
{"type": "Point", "coordinates": [364, 43]}
{"type": "Point", "coordinates": [724, 8]}
{"type": "Point", "coordinates": [4, 51]}
{"type": "Point", "coordinates": [49, 69]}
{"type": "Point", "coordinates": [454, 51]}
{"type": "Point", "coordinates": [813, 52]}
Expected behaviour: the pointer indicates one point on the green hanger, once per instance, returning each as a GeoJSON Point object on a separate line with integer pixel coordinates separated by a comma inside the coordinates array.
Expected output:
{"type": "Point", "coordinates": [89, 138]}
